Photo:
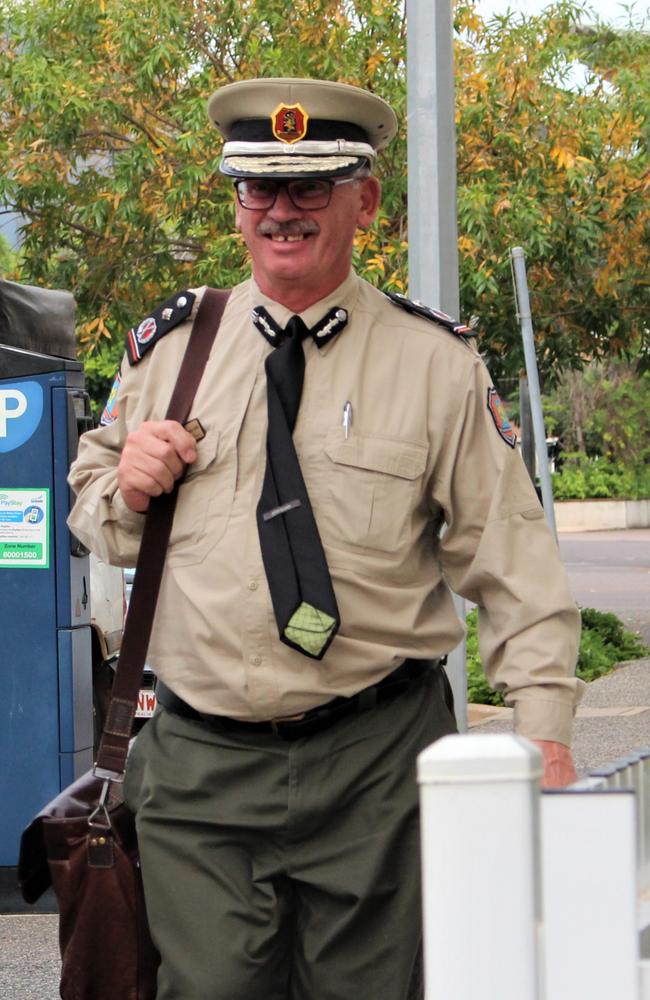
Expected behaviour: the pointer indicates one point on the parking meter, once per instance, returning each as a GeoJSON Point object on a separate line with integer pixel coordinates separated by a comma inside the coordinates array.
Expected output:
{"type": "Point", "coordinates": [46, 732]}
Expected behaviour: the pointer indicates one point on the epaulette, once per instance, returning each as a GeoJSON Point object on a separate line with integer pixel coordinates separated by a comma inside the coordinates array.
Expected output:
{"type": "Point", "coordinates": [419, 309]}
{"type": "Point", "coordinates": [142, 338]}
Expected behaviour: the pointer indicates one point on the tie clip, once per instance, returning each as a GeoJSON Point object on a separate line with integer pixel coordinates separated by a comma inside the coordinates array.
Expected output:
{"type": "Point", "coordinates": [282, 509]}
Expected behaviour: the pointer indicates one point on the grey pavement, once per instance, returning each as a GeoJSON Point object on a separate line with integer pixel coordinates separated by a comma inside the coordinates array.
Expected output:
{"type": "Point", "coordinates": [613, 720]}
{"type": "Point", "coordinates": [29, 957]}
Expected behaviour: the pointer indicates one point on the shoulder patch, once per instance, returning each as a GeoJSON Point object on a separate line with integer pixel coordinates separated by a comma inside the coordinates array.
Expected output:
{"type": "Point", "coordinates": [142, 338]}
{"type": "Point", "coordinates": [109, 416]}
{"type": "Point", "coordinates": [500, 417]}
{"type": "Point", "coordinates": [419, 309]}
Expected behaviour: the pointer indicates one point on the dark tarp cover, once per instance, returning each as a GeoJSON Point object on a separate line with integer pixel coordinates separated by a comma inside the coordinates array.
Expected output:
{"type": "Point", "coordinates": [37, 319]}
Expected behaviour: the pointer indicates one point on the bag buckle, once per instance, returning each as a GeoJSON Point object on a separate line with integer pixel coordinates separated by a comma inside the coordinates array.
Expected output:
{"type": "Point", "coordinates": [108, 775]}
{"type": "Point", "coordinates": [102, 808]}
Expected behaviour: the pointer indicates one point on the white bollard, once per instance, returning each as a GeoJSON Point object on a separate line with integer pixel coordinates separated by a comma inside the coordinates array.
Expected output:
{"type": "Point", "coordinates": [479, 797]}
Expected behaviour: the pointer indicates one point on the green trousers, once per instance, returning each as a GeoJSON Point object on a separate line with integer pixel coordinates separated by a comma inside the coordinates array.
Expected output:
{"type": "Point", "coordinates": [281, 870]}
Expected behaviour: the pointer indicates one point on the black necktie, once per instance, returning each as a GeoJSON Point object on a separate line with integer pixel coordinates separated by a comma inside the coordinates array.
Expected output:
{"type": "Point", "coordinates": [294, 561]}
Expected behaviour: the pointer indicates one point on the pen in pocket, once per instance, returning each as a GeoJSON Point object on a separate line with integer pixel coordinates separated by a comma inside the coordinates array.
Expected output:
{"type": "Point", "coordinates": [347, 419]}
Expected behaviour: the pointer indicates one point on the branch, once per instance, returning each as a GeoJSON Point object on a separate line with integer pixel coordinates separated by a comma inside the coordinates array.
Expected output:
{"type": "Point", "coordinates": [101, 133]}
{"type": "Point", "coordinates": [163, 121]}
{"type": "Point", "coordinates": [142, 128]}
{"type": "Point", "coordinates": [77, 226]}
{"type": "Point", "coordinates": [580, 309]}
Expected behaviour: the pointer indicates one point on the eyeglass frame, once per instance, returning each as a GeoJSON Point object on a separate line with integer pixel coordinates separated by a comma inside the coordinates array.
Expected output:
{"type": "Point", "coordinates": [284, 183]}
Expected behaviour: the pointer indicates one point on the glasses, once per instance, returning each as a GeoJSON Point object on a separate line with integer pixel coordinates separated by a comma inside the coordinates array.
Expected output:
{"type": "Point", "coordinates": [305, 194]}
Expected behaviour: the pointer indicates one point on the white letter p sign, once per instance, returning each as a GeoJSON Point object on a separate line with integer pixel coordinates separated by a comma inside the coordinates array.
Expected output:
{"type": "Point", "coordinates": [8, 411]}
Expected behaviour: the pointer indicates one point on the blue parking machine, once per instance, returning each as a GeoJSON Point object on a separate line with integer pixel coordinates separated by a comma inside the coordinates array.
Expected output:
{"type": "Point", "coordinates": [46, 730]}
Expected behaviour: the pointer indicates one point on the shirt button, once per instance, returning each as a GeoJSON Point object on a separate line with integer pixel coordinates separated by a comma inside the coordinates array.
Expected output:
{"type": "Point", "coordinates": [252, 584]}
{"type": "Point", "coordinates": [256, 660]}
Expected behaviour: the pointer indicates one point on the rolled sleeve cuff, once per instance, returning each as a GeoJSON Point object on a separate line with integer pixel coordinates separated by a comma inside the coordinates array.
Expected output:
{"type": "Point", "coordinates": [545, 719]}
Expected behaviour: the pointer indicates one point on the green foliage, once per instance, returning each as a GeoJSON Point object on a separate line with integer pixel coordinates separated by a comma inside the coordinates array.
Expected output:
{"type": "Point", "coordinates": [603, 410]}
{"type": "Point", "coordinates": [478, 690]}
{"type": "Point", "coordinates": [8, 258]}
{"type": "Point", "coordinates": [604, 642]}
{"type": "Point", "coordinates": [583, 478]}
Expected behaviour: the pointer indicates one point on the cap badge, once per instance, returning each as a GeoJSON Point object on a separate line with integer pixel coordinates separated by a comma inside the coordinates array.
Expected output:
{"type": "Point", "coordinates": [289, 122]}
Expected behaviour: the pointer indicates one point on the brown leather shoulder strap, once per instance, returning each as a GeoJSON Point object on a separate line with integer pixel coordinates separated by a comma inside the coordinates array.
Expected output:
{"type": "Point", "coordinates": [114, 745]}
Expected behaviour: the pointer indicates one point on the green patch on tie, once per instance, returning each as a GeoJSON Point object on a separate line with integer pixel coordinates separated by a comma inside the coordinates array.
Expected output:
{"type": "Point", "coordinates": [310, 628]}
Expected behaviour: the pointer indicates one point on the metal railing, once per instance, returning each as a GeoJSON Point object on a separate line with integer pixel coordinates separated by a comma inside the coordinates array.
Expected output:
{"type": "Point", "coordinates": [529, 895]}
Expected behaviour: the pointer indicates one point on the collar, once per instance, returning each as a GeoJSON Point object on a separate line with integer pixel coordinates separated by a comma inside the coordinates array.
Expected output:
{"type": "Point", "coordinates": [343, 297]}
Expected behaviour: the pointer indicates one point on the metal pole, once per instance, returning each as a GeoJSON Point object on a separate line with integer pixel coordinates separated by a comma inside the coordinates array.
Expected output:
{"type": "Point", "coordinates": [526, 425]}
{"type": "Point", "coordinates": [524, 315]}
{"type": "Point", "coordinates": [432, 230]}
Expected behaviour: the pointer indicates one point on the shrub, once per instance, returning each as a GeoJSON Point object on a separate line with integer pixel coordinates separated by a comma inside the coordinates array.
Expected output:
{"type": "Point", "coordinates": [604, 642]}
{"type": "Point", "coordinates": [584, 478]}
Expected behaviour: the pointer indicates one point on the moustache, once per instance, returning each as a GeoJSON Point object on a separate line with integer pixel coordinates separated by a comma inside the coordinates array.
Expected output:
{"type": "Point", "coordinates": [297, 227]}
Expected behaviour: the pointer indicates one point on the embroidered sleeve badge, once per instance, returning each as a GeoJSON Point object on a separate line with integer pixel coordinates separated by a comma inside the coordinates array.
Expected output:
{"type": "Point", "coordinates": [500, 417]}
{"type": "Point", "coordinates": [109, 416]}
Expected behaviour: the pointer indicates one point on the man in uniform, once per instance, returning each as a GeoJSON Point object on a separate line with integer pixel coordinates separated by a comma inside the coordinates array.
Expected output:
{"type": "Point", "coordinates": [305, 609]}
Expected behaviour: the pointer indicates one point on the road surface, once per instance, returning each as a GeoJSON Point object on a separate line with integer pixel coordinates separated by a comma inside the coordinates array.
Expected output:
{"type": "Point", "coordinates": [610, 571]}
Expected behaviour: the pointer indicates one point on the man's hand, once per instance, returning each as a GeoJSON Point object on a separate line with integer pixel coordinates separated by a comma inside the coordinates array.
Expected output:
{"type": "Point", "coordinates": [153, 458]}
{"type": "Point", "coordinates": [559, 769]}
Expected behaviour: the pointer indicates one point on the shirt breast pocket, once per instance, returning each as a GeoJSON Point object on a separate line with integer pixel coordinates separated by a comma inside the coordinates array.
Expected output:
{"type": "Point", "coordinates": [204, 502]}
{"type": "Point", "coordinates": [373, 486]}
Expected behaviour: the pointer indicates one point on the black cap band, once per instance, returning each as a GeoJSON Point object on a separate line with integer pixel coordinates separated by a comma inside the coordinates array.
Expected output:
{"type": "Point", "coordinates": [318, 129]}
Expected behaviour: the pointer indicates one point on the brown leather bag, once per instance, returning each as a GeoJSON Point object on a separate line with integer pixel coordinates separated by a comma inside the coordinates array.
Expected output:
{"type": "Point", "coordinates": [106, 948]}
{"type": "Point", "coordinates": [84, 843]}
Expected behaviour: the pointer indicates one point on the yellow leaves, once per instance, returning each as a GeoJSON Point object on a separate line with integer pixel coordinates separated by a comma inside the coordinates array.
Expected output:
{"type": "Point", "coordinates": [366, 240]}
{"type": "Point", "coordinates": [376, 263]}
{"type": "Point", "coordinates": [475, 85]}
{"type": "Point", "coordinates": [467, 246]}
{"type": "Point", "coordinates": [90, 333]}
{"type": "Point", "coordinates": [312, 35]}
{"type": "Point", "coordinates": [468, 19]}
{"type": "Point", "coordinates": [501, 206]}
{"type": "Point", "coordinates": [374, 62]}
{"type": "Point", "coordinates": [563, 157]}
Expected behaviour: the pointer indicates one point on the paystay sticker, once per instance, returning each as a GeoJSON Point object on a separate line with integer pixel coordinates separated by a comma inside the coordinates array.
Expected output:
{"type": "Point", "coordinates": [24, 528]}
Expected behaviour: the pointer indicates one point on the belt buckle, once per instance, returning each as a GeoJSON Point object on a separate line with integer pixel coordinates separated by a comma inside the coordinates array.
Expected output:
{"type": "Point", "coordinates": [274, 723]}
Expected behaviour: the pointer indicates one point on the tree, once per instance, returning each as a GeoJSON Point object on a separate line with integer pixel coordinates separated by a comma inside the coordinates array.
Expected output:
{"type": "Point", "coordinates": [113, 164]}
{"type": "Point", "coordinates": [7, 257]}
{"type": "Point", "coordinates": [603, 411]}
{"type": "Point", "coordinates": [553, 155]}
{"type": "Point", "coordinates": [112, 160]}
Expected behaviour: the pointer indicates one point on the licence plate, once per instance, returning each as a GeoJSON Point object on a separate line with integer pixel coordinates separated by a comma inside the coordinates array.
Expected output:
{"type": "Point", "coordinates": [146, 704]}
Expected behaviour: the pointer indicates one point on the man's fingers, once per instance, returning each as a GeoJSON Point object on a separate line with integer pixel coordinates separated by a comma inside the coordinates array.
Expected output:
{"type": "Point", "coordinates": [153, 458]}
{"type": "Point", "coordinates": [182, 441]}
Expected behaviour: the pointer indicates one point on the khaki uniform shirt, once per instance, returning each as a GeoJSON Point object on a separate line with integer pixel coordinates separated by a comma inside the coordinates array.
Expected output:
{"type": "Point", "coordinates": [423, 452]}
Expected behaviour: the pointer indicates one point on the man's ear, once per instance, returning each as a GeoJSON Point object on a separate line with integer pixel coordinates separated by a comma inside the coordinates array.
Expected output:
{"type": "Point", "coordinates": [370, 201]}
{"type": "Point", "coordinates": [238, 211]}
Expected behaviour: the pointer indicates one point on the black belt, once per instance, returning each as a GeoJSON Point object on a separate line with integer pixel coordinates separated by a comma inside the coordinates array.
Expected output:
{"type": "Point", "coordinates": [315, 719]}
